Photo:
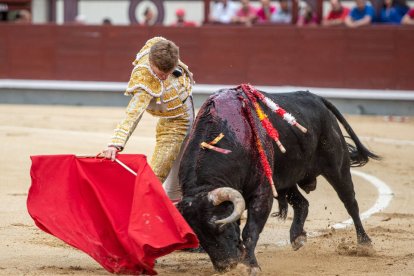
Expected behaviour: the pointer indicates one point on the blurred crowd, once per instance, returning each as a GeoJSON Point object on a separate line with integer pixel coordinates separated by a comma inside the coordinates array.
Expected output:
{"type": "Point", "coordinates": [242, 12]}
{"type": "Point", "coordinates": [148, 18]}
{"type": "Point", "coordinates": [362, 13]}
{"type": "Point", "coordinates": [18, 16]}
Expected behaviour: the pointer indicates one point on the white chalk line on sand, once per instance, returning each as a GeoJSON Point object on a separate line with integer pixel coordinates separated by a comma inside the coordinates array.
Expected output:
{"type": "Point", "coordinates": [385, 195]}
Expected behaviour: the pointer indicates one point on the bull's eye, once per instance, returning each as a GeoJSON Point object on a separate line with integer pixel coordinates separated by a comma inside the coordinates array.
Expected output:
{"type": "Point", "coordinates": [212, 222]}
{"type": "Point", "coordinates": [220, 227]}
{"type": "Point", "coordinates": [216, 228]}
{"type": "Point", "coordinates": [213, 226]}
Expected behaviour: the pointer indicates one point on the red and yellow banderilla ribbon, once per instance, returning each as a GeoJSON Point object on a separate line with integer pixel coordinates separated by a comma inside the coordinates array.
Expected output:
{"type": "Point", "coordinates": [211, 146]}
{"type": "Point", "coordinates": [262, 155]}
{"type": "Point", "coordinates": [264, 120]}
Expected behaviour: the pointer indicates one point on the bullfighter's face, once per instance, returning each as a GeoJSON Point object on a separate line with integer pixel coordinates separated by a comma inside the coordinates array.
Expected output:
{"type": "Point", "coordinates": [221, 242]}
{"type": "Point", "coordinates": [160, 74]}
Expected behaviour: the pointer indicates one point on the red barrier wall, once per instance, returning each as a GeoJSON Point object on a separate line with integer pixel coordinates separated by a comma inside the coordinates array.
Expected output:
{"type": "Point", "coordinates": [380, 57]}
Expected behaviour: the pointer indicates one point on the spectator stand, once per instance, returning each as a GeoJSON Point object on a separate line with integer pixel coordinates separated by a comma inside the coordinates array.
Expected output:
{"type": "Point", "coordinates": [320, 7]}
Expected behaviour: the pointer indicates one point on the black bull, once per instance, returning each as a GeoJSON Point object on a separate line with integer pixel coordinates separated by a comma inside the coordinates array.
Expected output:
{"type": "Point", "coordinates": [214, 213]}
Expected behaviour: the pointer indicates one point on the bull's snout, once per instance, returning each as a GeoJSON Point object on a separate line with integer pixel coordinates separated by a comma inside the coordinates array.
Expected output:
{"type": "Point", "coordinates": [226, 265]}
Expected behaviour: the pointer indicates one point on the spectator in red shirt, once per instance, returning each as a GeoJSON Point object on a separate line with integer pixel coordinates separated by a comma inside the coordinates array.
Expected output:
{"type": "Point", "coordinates": [246, 14]}
{"type": "Point", "coordinates": [337, 14]}
{"type": "Point", "coordinates": [408, 18]}
{"type": "Point", "coordinates": [265, 12]}
{"type": "Point", "coordinates": [181, 22]}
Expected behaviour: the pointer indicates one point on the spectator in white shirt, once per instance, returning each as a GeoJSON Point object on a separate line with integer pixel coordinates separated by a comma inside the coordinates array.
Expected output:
{"type": "Point", "coordinates": [283, 14]}
{"type": "Point", "coordinates": [223, 11]}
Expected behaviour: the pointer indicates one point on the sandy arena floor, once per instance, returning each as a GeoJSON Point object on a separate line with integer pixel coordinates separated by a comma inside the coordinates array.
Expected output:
{"type": "Point", "coordinates": [25, 250]}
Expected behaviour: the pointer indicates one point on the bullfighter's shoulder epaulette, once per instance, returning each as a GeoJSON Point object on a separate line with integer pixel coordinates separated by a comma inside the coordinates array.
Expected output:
{"type": "Point", "coordinates": [142, 78]}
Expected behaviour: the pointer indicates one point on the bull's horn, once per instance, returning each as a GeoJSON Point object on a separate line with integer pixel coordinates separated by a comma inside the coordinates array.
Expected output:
{"type": "Point", "coordinates": [220, 195]}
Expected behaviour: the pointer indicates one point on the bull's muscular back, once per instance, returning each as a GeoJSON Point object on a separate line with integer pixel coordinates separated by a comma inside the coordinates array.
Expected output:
{"type": "Point", "coordinates": [203, 169]}
{"type": "Point", "coordinates": [307, 155]}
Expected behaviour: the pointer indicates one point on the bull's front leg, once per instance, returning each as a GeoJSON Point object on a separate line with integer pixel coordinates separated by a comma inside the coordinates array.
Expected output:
{"type": "Point", "coordinates": [258, 212]}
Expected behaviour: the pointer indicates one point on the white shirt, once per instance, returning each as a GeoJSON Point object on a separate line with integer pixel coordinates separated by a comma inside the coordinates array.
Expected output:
{"type": "Point", "coordinates": [224, 14]}
{"type": "Point", "coordinates": [281, 17]}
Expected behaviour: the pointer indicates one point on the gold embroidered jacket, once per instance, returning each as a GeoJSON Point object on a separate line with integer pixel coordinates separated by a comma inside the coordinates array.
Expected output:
{"type": "Point", "coordinates": [159, 98]}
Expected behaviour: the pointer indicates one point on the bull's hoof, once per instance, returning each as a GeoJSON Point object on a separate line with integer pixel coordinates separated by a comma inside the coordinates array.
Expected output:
{"type": "Point", "coordinates": [299, 242]}
{"type": "Point", "coordinates": [364, 240]}
{"type": "Point", "coordinates": [242, 270]}
{"type": "Point", "coordinates": [254, 271]}
{"type": "Point", "coordinates": [367, 243]}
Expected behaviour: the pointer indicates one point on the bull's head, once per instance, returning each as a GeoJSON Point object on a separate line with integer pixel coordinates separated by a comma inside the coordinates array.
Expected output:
{"type": "Point", "coordinates": [215, 219]}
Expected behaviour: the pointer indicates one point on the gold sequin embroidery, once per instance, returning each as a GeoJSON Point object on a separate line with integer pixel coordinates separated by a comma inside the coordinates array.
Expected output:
{"type": "Point", "coordinates": [134, 111]}
{"type": "Point", "coordinates": [180, 111]}
{"type": "Point", "coordinates": [142, 78]}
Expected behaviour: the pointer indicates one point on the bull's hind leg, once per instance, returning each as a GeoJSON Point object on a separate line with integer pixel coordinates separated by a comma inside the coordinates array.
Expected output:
{"type": "Point", "coordinates": [258, 212]}
{"type": "Point", "coordinates": [300, 212]}
{"type": "Point", "coordinates": [343, 185]}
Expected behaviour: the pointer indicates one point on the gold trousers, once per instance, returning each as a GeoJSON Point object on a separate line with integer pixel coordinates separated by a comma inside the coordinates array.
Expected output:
{"type": "Point", "coordinates": [170, 134]}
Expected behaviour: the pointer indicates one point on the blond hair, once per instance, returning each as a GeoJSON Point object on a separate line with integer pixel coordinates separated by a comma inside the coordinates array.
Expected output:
{"type": "Point", "coordinates": [164, 55]}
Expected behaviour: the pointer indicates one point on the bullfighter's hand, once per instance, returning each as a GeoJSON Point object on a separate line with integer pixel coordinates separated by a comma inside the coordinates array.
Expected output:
{"type": "Point", "coordinates": [110, 153]}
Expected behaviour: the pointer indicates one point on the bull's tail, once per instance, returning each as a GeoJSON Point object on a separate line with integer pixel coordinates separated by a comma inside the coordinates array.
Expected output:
{"type": "Point", "coordinates": [359, 154]}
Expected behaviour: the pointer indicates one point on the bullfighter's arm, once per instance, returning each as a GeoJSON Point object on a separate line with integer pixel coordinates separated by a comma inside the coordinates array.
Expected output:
{"type": "Point", "coordinates": [134, 111]}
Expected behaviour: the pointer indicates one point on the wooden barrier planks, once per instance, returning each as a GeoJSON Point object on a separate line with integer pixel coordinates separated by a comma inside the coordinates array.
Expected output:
{"type": "Point", "coordinates": [376, 57]}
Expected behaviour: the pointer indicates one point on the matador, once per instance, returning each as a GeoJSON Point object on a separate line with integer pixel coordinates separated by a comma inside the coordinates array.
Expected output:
{"type": "Point", "coordinates": [161, 84]}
